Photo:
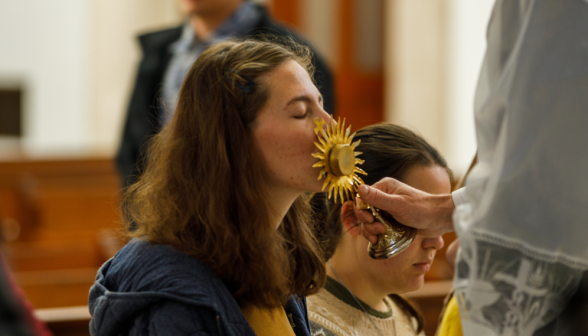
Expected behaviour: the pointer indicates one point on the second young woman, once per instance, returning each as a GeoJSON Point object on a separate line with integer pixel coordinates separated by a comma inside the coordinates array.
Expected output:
{"type": "Point", "coordinates": [356, 299]}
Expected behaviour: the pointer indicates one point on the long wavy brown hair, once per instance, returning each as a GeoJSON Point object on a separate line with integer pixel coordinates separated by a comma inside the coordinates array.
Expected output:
{"type": "Point", "coordinates": [389, 151]}
{"type": "Point", "coordinates": [203, 190]}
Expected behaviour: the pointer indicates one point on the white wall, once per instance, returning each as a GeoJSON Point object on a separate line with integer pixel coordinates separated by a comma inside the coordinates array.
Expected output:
{"type": "Point", "coordinates": [433, 55]}
{"type": "Point", "coordinates": [467, 21]}
{"type": "Point", "coordinates": [414, 67]}
{"type": "Point", "coordinates": [77, 60]}
{"type": "Point", "coordinates": [44, 45]}
{"type": "Point", "coordinates": [115, 58]}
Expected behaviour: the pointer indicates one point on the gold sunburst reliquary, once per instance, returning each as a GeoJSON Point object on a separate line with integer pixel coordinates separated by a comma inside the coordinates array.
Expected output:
{"type": "Point", "coordinates": [338, 162]}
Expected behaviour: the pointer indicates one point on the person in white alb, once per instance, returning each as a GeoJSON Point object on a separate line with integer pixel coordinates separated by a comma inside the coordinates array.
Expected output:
{"type": "Point", "coordinates": [522, 219]}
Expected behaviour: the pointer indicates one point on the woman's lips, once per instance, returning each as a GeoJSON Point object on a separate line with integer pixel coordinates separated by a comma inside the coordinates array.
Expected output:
{"type": "Point", "coordinates": [423, 267]}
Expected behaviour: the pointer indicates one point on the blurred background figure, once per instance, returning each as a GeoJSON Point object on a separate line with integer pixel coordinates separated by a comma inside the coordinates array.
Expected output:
{"type": "Point", "coordinates": [169, 54]}
{"type": "Point", "coordinates": [16, 313]}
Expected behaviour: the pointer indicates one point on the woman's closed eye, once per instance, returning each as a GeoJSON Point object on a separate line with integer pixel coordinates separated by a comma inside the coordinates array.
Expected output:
{"type": "Point", "coordinates": [301, 115]}
{"type": "Point", "coordinates": [299, 110]}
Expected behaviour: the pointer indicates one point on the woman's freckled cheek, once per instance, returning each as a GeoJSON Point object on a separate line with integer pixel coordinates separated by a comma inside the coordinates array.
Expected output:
{"type": "Point", "coordinates": [387, 263]}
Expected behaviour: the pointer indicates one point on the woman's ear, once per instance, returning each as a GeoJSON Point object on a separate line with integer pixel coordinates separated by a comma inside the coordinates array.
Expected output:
{"type": "Point", "coordinates": [349, 220]}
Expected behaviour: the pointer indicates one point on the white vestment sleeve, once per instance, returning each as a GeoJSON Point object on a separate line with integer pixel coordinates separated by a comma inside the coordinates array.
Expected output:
{"type": "Point", "coordinates": [524, 228]}
{"type": "Point", "coordinates": [459, 197]}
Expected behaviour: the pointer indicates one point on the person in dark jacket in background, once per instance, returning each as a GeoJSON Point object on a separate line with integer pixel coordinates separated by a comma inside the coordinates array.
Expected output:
{"type": "Point", "coordinates": [222, 243]}
{"type": "Point", "coordinates": [169, 54]}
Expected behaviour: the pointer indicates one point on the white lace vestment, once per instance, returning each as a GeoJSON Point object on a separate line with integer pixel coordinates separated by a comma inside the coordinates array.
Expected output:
{"type": "Point", "coordinates": [524, 227]}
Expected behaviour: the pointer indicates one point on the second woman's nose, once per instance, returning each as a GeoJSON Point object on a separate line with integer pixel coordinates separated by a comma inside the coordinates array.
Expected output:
{"type": "Point", "coordinates": [434, 242]}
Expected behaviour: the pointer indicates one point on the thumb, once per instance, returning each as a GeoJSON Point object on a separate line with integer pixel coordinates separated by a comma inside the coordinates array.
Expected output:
{"type": "Point", "coordinates": [376, 197]}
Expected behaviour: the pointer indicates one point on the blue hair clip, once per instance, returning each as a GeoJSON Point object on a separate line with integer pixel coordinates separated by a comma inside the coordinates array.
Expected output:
{"type": "Point", "coordinates": [249, 85]}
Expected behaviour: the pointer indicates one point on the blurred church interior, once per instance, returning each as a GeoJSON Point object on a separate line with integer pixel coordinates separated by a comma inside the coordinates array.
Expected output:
{"type": "Point", "coordinates": [66, 70]}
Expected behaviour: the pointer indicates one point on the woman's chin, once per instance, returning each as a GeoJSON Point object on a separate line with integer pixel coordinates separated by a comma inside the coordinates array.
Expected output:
{"type": "Point", "coordinates": [413, 285]}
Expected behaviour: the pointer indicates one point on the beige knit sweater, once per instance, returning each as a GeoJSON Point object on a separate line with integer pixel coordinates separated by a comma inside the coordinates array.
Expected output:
{"type": "Point", "coordinates": [334, 312]}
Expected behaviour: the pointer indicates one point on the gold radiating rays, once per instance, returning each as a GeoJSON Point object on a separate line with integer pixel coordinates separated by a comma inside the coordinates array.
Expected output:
{"type": "Point", "coordinates": [338, 159]}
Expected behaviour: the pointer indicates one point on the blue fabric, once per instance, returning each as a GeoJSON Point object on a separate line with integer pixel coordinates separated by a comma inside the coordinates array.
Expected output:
{"type": "Point", "coordinates": [149, 289]}
{"type": "Point", "coordinates": [188, 48]}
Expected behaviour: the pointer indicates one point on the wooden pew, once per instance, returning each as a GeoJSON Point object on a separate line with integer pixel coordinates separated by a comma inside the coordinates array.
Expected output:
{"type": "Point", "coordinates": [67, 321]}
{"type": "Point", "coordinates": [57, 215]}
{"type": "Point", "coordinates": [63, 224]}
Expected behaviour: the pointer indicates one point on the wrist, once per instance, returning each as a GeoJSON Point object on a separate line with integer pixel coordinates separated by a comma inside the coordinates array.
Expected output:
{"type": "Point", "coordinates": [442, 207]}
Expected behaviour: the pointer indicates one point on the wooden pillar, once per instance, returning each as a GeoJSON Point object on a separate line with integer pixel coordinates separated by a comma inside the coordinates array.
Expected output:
{"type": "Point", "coordinates": [359, 91]}
{"type": "Point", "coordinates": [286, 11]}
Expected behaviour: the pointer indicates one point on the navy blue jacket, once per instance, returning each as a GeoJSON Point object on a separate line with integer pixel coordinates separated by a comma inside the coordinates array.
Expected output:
{"type": "Point", "coordinates": [151, 289]}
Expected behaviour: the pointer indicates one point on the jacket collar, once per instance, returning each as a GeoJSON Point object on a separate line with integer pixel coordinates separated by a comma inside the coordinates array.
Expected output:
{"type": "Point", "coordinates": [142, 274]}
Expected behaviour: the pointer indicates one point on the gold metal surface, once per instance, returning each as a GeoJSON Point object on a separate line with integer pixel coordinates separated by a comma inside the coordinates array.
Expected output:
{"type": "Point", "coordinates": [338, 162]}
{"type": "Point", "coordinates": [342, 160]}
{"type": "Point", "coordinates": [396, 238]}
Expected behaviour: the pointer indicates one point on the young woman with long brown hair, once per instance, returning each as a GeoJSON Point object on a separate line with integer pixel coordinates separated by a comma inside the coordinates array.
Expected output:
{"type": "Point", "coordinates": [221, 241]}
{"type": "Point", "coordinates": [360, 296]}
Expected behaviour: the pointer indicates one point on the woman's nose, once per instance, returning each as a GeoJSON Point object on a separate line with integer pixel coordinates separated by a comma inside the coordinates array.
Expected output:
{"type": "Point", "coordinates": [328, 118]}
{"type": "Point", "coordinates": [436, 243]}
